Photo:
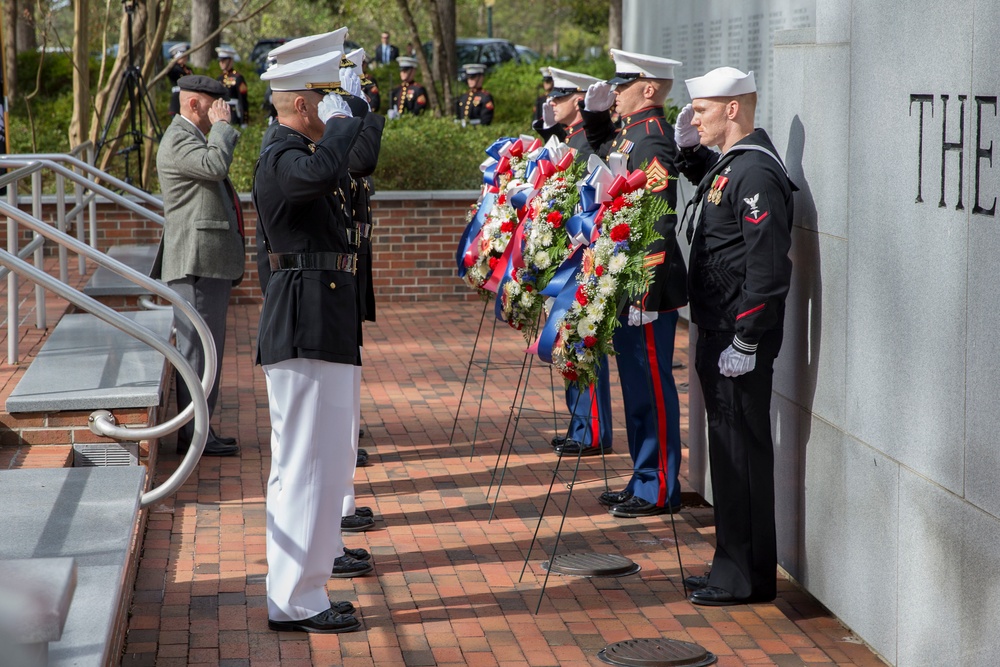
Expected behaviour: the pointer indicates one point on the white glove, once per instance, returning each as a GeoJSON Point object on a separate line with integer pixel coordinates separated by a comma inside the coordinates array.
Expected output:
{"type": "Point", "coordinates": [638, 318]}
{"type": "Point", "coordinates": [548, 115]}
{"type": "Point", "coordinates": [333, 105]}
{"type": "Point", "coordinates": [600, 97]}
{"type": "Point", "coordinates": [733, 363]}
{"type": "Point", "coordinates": [685, 134]}
{"type": "Point", "coordinates": [392, 114]}
{"type": "Point", "coordinates": [351, 82]}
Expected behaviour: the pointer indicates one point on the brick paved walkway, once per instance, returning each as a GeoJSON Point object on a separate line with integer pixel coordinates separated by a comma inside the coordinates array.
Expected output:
{"type": "Point", "coordinates": [446, 589]}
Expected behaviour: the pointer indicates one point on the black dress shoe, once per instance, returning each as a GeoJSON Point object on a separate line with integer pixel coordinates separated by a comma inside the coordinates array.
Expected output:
{"type": "Point", "coordinates": [356, 524]}
{"type": "Point", "coordinates": [362, 451]}
{"type": "Point", "coordinates": [224, 440]}
{"type": "Point", "coordinates": [575, 448]}
{"type": "Point", "coordinates": [364, 512]}
{"type": "Point", "coordinates": [362, 460]}
{"type": "Point", "coordinates": [361, 433]}
{"type": "Point", "coordinates": [696, 581]}
{"type": "Point", "coordinates": [212, 448]}
{"type": "Point", "coordinates": [713, 596]}
{"type": "Point", "coordinates": [558, 441]}
{"type": "Point", "coordinates": [357, 554]}
{"type": "Point", "coordinates": [342, 607]}
{"type": "Point", "coordinates": [326, 622]}
{"type": "Point", "coordinates": [612, 498]}
{"type": "Point", "coordinates": [635, 507]}
{"type": "Point", "coordinates": [345, 567]}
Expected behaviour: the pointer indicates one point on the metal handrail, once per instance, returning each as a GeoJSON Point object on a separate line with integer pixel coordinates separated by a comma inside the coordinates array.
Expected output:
{"type": "Point", "coordinates": [101, 421]}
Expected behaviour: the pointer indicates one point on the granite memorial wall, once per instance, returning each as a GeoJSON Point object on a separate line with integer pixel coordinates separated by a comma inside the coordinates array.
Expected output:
{"type": "Point", "coordinates": [886, 399]}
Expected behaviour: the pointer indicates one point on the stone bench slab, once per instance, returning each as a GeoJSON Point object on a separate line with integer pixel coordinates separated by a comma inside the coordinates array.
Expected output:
{"type": "Point", "coordinates": [106, 282]}
{"type": "Point", "coordinates": [89, 515]}
{"type": "Point", "coordinates": [87, 364]}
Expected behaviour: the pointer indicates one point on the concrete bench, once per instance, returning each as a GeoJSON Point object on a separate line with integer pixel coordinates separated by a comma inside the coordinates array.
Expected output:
{"type": "Point", "coordinates": [89, 515]}
{"type": "Point", "coordinates": [105, 282]}
{"type": "Point", "coordinates": [87, 364]}
{"type": "Point", "coordinates": [35, 604]}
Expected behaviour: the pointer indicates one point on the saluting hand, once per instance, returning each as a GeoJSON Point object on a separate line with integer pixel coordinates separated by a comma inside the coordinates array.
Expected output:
{"type": "Point", "coordinates": [220, 110]}
{"type": "Point", "coordinates": [686, 134]}
{"type": "Point", "coordinates": [600, 97]}
{"type": "Point", "coordinates": [548, 115]}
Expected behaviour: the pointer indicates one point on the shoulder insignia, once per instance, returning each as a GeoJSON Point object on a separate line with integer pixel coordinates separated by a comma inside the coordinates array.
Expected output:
{"type": "Point", "coordinates": [654, 259]}
{"type": "Point", "coordinates": [374, 89]}
{"type": "Point", "coordinates": [757, 220]}
{"type": "Point", "coordinates": [656, 176]}
{"type": "Point", "coordinates": [489, 105]}
{"type": "Point", "coordinates": [243, 88]}
{"type": "Point", "coordinates": [421, 100]}
{"type": "Point", "coordinates": [752, 203]}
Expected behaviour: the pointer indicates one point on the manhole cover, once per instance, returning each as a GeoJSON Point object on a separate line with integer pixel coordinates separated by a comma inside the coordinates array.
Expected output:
{"type": "Point", "coordinates": [656, 653]}
{"type": "Point", "coordinates": [592, 565]}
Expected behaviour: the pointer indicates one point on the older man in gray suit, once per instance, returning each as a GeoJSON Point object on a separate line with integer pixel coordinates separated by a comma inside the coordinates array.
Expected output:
{"type": "Point", "coordinates": [202, 253]}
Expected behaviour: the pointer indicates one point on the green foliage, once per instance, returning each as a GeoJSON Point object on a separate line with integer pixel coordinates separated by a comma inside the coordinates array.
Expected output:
{"type": "Point", "coordinates": [424, 153]}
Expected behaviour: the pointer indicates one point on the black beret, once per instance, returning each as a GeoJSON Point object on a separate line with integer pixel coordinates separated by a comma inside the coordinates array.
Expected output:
{"type": "Point", "coordinates": [198, 83]}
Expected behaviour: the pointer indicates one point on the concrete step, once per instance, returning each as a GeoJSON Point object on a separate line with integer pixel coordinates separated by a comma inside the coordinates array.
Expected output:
{"type": "Point", "coordinates": [86, 364]}
{"type": "Point", "coordinates": [92, 516]}
{"type": "Point", "coordinates": [105, 282]}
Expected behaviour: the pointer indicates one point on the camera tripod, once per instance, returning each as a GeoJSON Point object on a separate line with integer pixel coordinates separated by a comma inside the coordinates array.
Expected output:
{"type": "Point", "coordinates": [133, 92]}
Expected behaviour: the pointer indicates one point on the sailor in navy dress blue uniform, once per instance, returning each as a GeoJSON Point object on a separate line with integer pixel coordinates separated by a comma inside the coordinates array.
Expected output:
{"type": "Point", "coordinates": [590, 429]}
{"type": "Point", "coordinates": [645, 342]}
{"type": "Point", "coordinates": [740, 275]}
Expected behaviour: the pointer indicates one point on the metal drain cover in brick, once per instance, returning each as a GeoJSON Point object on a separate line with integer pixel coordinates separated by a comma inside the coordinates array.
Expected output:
{"type": "Point", "coordinates": [592, 565]}
{"type": "Point", "coordinates": [656, 653]}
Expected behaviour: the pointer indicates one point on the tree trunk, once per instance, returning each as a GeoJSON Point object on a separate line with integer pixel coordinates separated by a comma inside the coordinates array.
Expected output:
{"type": "Point", "coordinates": [444, 69]}
{"type": "Point", "coordinates": [7, 22]}
{"type": "Point", "coordinates": [446, 10]}
{"type": "Point", "coordinates": [26, 38]}
{"type": "Point", "coordinates": [204, 21]}
{"type": "Point", "coordinates": [615, 25]}
{"type": "Point", "coordinates": [411, 24]}
{"type": "Point", "coordinates": [79, 125]}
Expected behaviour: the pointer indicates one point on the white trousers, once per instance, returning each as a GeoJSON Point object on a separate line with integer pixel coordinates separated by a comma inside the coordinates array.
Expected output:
{"type": "Point", "coordinates": [314, 440]}
{"type": "Point", "coordinates": [349, 504]}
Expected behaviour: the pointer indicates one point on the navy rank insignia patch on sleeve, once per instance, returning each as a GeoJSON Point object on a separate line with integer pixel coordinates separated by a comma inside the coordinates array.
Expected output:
{"type": "Point", "coordinates": [656, 176]}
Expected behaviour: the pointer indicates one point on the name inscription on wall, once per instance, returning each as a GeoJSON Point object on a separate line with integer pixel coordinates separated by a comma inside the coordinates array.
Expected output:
{"type": "Point", "coordinates": [953, 143]}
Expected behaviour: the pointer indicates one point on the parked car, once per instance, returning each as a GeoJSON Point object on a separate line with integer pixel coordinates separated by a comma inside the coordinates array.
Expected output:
{"type": "Point", "coordinates": [488, 51]}
{"type": "Point", "coordinates": [258, 55]}
{"type": "Point", "coordinates": [526, 55]}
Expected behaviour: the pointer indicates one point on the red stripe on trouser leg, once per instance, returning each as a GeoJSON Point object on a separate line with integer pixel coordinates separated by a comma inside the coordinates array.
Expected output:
{"type": "Point", "coordinates": [661, 415]}
{"type": "Point", "coordinates": [595, 427]}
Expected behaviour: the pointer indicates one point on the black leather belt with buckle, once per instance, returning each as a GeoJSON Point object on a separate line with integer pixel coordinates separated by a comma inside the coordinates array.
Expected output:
{"type": "Point", "coordinates": [304, 261]}
{"type": "Point", "coordinates": [362, 231]}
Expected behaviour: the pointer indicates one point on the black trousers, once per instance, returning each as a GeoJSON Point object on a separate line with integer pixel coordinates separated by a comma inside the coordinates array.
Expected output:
{"type": "Point", "coordinates": [741, 454]}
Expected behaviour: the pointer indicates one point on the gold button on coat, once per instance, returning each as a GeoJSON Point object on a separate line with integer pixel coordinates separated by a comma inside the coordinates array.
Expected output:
{"type": "Point", "coordinates": [333, 285]}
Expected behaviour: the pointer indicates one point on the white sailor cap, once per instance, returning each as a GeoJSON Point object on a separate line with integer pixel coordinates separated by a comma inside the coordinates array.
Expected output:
{"type": "Point", "coordinates": [545, 72]}
{"type": "Point", "coordinates": [406, 62]}
{"type": "Point", "coordinates": [473, 69]}
{"type": "Point", "coordinates": [722, 82]}
{"type": "Point", "coordinates": [224, 52]}
{"type": "Point", "coordinates": [567, 83]}
{"type": "Point", "coordinates": [319, 73]}
{"type": "Point", "coordinates": [178, 50]}
{"type": "Point", "coordinates": [309, 46]}
{"type": "Point", "coordinates": [631, 66]}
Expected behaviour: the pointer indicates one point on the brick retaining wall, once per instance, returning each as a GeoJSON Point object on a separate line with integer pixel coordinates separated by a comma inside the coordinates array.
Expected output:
{"type": "Point", "coordinates": [414, 243]}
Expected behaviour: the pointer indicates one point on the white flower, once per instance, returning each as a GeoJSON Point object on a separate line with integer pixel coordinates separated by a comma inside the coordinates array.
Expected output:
{"type": "Point", "coordinates": [586, 327]}
{"type": "Point", "coordinates": [606, 285]}
{"type": "Point", "coordinates": [513, 287]}
{"type": "Point", "coordinates": [617, 263]}
{"type": "Point", "coordinates": [527, 298]}
{"type": "Point", "coordinates": [541, 259]}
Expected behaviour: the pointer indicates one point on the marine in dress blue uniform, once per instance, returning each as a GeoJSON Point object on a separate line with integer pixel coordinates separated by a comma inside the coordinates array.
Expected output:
{"type": "Point", "coordinates": [590, 429]}
{"type": "Point", "coordinates": [235, 84]}
{"type": "Point", "coordinates": [740, 275]}
{"type": "Point", "coordinates": [176, 71]}
{"type": "Point", "coordinates": [475, 106]}
{"type": "Point", "coordinates": [645, 342]}
{"type": "Point", "coordinates": [409, 96]}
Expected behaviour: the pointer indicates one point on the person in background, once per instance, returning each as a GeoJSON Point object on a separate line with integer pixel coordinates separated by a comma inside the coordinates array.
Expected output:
{"type": "Point", "coordinates": [179, 53]}
{"type": "Point", "coordinates": [409, 96]}
{"type": "Point", "coordinates": [202, 253]}
{"type": "Point", "coordinates": [740, 275]}
{"type": "Point", "coordinates": [235, 84]}
{"type": "Point", "coordinates": [475, 107]}
{"type": "Point", "coordinates": [540, 100]}
{"type": "Point", "coordinates": [385, 52]}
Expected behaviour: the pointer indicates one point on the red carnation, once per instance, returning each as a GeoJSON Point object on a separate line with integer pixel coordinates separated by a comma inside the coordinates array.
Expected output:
{"type": "Point", "coordinates": [581, 295]}
{"type": "Point", "coordinates": [599, 270]}
{"type": "Point", "coordinates": [507, 226]}
{"type": "Point", "coordinates": [570, 375]}
{"type": "Point", "coordinates": [493, 262]}
{"type": "Point", "coordinates": [619, 203]}
{"type": "Point", "coordinates": [589, 341]}
{"type": "Point", "coordinates": [620, 232]}
{"type": "Point", "coordinates": [502, 199]}
{"type": "Point", "coordinates": [554, 218]}
{"type": "Point", "coordinates": [527, 288]}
